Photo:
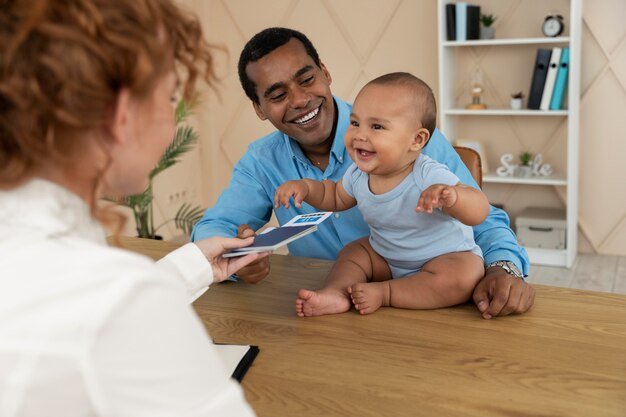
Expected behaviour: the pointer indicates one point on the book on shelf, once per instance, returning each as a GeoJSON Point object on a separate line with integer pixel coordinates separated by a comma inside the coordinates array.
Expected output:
{"type": "Point", "coordinates": [462, 21]}
{"type": "Point", "coordinates": [560, 85]}
{"type": "Point", "coordinates": [473, 22]}
{"type": "Point", "coordinates": [548, 89]}
{"type": "Point", "coordinates": [451, 21]}
{"type": "Point", "coordinates": [540, 71]}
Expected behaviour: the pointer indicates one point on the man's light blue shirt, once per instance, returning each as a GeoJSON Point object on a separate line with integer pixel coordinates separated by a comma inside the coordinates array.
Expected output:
{"type": "Point", "coordinates": [276, 158]}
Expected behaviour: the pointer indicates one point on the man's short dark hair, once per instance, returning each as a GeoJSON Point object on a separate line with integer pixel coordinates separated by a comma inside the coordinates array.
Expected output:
{"type": "Point", "coordinates": [262, 44]}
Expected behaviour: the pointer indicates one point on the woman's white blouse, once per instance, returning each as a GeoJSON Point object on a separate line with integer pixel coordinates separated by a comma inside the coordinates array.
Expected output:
{"type": "Point", "coordinates": [91, 330]}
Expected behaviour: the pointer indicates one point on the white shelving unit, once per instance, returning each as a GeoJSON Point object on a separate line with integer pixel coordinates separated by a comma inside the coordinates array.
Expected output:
{"type": "Point", "coordinates": [452, 112]}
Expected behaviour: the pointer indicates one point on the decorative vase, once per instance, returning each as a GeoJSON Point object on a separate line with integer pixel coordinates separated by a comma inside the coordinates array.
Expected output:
{"type": "Point", "coordinates": [524, 171]}
{"type": "Point", "coordinates": [487, 32]}
{"type": "Point", "coordinates": [517, 103]}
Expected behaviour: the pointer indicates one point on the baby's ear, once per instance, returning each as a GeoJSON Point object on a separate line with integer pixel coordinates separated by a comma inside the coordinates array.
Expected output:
{"type": "Point", "coordinates": [420, 139]}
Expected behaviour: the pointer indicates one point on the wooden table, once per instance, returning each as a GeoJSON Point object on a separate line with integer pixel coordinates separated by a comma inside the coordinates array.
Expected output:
{"type": "Point", "coordinates": [566, 357]}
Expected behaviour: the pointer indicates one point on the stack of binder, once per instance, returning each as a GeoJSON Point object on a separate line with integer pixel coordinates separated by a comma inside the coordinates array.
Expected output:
{"type": "Point", "coordinates": [549, 81]}
{"type": "Point", "coordinates": [462, 21]}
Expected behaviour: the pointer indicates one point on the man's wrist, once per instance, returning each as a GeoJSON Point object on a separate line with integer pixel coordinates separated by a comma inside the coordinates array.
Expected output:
{"type": "Point", "coordinates": [508, 267]}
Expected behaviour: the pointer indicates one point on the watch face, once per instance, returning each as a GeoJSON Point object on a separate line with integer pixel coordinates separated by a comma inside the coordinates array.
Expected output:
{"type": "Point", "coordinates": [552, 27]}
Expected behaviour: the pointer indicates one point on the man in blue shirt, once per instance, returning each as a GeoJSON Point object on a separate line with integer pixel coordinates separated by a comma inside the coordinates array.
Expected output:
{"type": "Point", "coordinates": [281, 73]}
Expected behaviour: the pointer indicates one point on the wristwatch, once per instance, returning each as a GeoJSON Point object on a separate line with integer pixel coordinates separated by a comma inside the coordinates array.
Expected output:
{"type": "Point", "coordinates": [508, 266]}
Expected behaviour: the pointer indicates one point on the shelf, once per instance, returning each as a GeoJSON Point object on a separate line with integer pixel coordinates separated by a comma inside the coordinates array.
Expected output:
{"type": "Point", "coordinates": [507, 66]}
{"type": "Point", "coordinates": [509, 42]}
{"type": "Point", "coordinates": [548, 257]}
{"type": "Point", "coordinates": [557, 180]}
{"type": "Point", "coordinates": [505, 112]}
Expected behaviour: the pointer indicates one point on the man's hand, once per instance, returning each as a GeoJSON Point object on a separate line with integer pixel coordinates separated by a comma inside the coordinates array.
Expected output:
{"type": "Point", "coordinates": [501, 294]}
{"type": "Point", "coordinates": [257, 270]}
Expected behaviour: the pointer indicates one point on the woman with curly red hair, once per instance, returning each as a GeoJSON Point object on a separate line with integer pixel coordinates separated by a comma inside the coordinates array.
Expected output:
{"type": "Point", "coordinates": [86, 91]}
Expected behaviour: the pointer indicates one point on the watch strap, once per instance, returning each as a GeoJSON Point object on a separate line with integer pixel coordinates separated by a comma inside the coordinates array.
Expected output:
{"type": "Point", "coordinates": [508, 266]}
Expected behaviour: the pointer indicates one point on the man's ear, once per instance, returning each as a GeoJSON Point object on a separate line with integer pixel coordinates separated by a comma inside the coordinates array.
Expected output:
{"type": "Point", "coordinates": [259, 111]}
{"type": "Point", "coordinates": [122, 119]}
{"type": "Point", "coordinates": [420, 139]}
{"type": "Point", "coordinates": [326, 73]}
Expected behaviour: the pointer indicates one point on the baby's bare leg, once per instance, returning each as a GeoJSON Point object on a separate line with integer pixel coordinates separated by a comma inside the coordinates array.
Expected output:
{"type": "Point", "coordinates": [444, 281]}
{"type": "Point", "coordinates": [370, 295]}
{"type": "Point", "coordinates": [353, 265]}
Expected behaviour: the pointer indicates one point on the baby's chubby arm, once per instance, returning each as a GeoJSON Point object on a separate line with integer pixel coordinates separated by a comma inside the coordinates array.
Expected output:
{"type": "Point", "coordinates": [323, 195]}
{"type": "Point", "coordinates": [466, 204]}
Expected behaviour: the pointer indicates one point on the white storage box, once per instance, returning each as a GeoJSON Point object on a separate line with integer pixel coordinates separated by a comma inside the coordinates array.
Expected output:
{"type": "Point", "coordinates": [541, 227]}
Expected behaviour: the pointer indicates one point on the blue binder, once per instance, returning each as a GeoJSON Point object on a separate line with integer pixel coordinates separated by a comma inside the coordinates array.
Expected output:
{"type": "Point", "coordinates": [461, 22]}
{"type": "Point", "coordinates": [561, 81]}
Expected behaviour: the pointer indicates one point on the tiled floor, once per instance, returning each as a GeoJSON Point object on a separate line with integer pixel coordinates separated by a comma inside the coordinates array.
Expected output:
{"type": "Point", "coordinates": [605, 273]}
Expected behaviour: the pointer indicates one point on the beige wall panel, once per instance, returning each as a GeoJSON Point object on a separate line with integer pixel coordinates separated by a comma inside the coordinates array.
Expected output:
{"type": "Point", "coordinates": [602, 202]}
{"type": "Point", "coordinates": [606, 20]}
{"type": "Point", "coordinates": [319, 22]}
{"type": "Point", "coordinates": [360, 39]}
{"type": "Point", "coordinates": [409, 43]}
{"type": "Point", "coordinates": [615, 242]}
{"type": "Point", "coordinates": [594, 60]}
{"type": "Point", "coordinates": [603, 147]}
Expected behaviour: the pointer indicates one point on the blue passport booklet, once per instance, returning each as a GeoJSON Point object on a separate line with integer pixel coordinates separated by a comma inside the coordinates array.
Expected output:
{"type": "Point", "coordinates": [272, 239]}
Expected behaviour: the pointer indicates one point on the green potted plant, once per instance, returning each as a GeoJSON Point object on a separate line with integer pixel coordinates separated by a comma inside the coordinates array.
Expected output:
{"type": "Point", "coordinates": [487, 31]}
{"type": "Point", "coordinates": [525, 168]}
{"type": "Point", "coordinates": [142, 204]}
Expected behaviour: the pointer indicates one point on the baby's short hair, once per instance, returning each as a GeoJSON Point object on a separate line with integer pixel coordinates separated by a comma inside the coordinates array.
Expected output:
{"type": "Point", "coordinates": [420, 89]}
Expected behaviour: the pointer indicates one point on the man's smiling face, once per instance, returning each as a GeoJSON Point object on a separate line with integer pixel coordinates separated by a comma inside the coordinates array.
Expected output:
{"type": "Point", "coordinates": [294, 94]}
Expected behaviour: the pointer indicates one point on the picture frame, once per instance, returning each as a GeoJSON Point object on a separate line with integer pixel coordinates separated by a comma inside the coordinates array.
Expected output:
{"type": "Point", "coordinates": [479, 146]}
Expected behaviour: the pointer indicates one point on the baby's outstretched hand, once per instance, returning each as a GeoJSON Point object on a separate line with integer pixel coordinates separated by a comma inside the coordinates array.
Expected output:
{"type": "Point", "coordinates": [435, 197]}
{"type": "Point", "coordinates": [296, 189]}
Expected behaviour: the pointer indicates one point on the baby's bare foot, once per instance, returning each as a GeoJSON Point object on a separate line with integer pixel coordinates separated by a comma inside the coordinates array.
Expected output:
{"type": "Point", "coordinates": [369, 297]}
{"type": "Point", "coordinates": [321, 302]}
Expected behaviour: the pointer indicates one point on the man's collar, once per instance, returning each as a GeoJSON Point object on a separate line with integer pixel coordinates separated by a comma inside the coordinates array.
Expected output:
{"type": "Point", "coordinates": [343, 120]}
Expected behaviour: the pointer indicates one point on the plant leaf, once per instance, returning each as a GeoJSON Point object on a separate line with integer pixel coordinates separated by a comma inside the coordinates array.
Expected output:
{"type": "Point", "coordinates": [187, 216]}
{"type": "Point", "coordinates": [183, 141]}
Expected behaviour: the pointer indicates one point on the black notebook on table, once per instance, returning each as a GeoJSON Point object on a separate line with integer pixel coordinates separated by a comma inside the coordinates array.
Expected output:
{"type": "Point", "coordinates": [237, 358]}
